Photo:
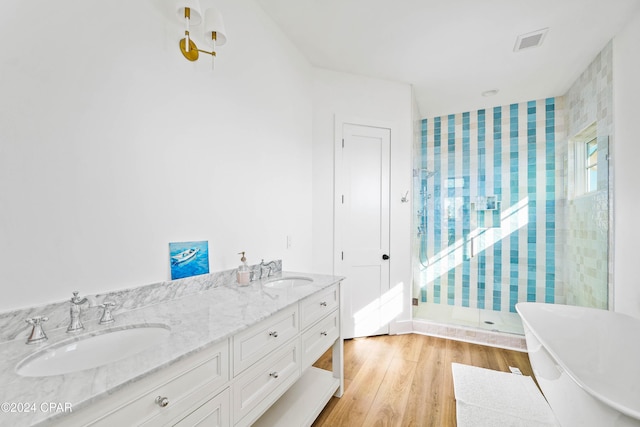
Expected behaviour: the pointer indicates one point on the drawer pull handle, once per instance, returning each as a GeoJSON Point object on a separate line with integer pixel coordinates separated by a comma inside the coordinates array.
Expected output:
{"type": "Point", "coordinates": [273, 334]}
{"type": "Point", "coordinates": [323, 333]}
{"type": "Point", "coordinates": [323, 303]}
{"type": "Point", "coordinates": [273, 374]}
{"type": "Point", "coordinates": [162, 401]}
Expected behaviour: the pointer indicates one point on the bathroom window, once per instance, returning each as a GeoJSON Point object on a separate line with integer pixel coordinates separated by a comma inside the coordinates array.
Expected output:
{"type": "Point", "coordinates": [591, 166]}
{"type": "Point", "coordinates": [585, 162]}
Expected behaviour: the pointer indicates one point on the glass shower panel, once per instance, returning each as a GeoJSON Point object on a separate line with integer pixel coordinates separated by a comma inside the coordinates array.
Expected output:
{"type": "Point", "coordinates": [487, 191]}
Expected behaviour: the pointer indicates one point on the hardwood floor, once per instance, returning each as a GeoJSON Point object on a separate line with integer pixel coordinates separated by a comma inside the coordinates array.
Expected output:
{"type": "Point", "coordinates": [406, 380]}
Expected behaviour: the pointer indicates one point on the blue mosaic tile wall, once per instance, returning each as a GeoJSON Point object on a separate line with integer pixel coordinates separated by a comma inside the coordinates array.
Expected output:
{"type": "Point", "coordinates": [486, 207]}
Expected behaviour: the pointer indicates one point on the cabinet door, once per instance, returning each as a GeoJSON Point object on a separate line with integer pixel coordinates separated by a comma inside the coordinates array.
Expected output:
{"type": "Point", "coordinates": [255, 343]}
{"type": "Point", "coordinates": [214, 413]}
{"type": "Point", "coordinates": [318, 306]}
{"type": "Point", "coordinates": [318, 338]}
{"type": "Point", "coordinates": [183, 390]}
{"type": "Point", "coordinates": [256, 389]}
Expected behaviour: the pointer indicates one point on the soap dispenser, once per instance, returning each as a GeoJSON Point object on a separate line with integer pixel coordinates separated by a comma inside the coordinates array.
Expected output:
{"type": "Point", "coordinates": [244, 274]}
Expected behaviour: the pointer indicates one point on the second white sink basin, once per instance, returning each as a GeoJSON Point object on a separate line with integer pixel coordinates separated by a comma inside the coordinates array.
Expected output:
{"type": "Point", "coordinates": [93, 350]}
{"type": "Point", "coordinates": [288, 282]}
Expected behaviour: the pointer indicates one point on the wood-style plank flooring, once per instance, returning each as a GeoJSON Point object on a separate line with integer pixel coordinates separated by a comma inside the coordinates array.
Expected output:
{"type": "Point", "coordinates": [406, 380]}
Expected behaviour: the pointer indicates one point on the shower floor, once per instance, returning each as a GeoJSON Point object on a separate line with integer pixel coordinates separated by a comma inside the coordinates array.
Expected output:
{"type": "Point", "coordinates": [488, 320]}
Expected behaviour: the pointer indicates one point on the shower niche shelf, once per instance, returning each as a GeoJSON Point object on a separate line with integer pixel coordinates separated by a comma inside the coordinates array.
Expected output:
{"type": "Point", "coordinates": [486, 212]}
{"type": "Point", "coordinates": [488, 203]}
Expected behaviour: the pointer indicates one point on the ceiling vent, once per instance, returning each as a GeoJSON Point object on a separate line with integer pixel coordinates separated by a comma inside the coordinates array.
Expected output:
{"type": "Point", "coordinates": [529, 40]}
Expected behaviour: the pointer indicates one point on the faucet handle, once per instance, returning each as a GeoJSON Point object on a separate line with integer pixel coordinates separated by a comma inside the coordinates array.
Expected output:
{"type": "Point", "coordinates": [37, 333]}
{"type": "Point", "coordinates": [75, 298]}
{"type": "Point", "coordinates": [107, 317]}
{"type": "Point", "coordinates": [36, 320]}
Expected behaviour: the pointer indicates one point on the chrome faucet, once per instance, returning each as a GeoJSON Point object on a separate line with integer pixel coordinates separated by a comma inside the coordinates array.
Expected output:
{"type": "Point", "coordinates": [76, 323]}
{"type": "Point", "coordinates": [270, 265]}
{"type": "Point", "coordinates": [37, 334]}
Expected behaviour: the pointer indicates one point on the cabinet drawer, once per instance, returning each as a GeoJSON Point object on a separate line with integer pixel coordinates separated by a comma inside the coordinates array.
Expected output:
{"type": "Point", "coordinates": [262, 384]}
{"type": "Point", "coordinates": [256, 342]}
{"type": "Point", "coordinates": [317, 339]}
{"type": "Point", "coordinates": [319, 305]}
{"type": "Point", "coordinates": [216, 412]}
{"type": "Point", "coordinates": [182, 389]}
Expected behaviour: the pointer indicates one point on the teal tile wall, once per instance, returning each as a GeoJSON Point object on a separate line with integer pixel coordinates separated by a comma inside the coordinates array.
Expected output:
{"type": "Point", "coordinates": [471, 254]}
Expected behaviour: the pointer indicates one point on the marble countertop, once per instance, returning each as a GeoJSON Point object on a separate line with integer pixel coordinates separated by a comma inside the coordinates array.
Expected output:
{"type": "Point", "coordinates": [197, 321]}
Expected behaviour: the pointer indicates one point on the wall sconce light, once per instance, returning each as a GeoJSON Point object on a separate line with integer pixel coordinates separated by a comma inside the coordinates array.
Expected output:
{"type": "Point", "coordinates": [214, 32]}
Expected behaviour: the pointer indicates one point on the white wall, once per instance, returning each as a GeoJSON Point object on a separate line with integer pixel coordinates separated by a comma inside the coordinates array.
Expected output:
{"type": "Point", "coordinates": [626, 152]}
{"type": "Point", "coordinates": [355, 97]}
{"type": "Point", "coordinates": [112, 145]}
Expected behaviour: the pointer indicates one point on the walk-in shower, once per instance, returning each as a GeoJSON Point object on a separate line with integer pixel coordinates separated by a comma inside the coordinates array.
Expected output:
{"type": "Point", "coordinates": [491, 211]}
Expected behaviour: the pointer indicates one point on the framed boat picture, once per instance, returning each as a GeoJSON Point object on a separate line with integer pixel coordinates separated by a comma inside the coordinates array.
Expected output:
{"type": "Point", "coordinates": [188, 259]}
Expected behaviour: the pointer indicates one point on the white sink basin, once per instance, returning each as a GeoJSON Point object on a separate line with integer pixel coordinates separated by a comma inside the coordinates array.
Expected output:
{"type": "Point", "coordinates": [288, 282]}
{"type": "Point", "coordinates": [92, 350]}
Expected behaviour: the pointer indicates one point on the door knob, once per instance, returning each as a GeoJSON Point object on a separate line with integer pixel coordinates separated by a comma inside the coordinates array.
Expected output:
{"type": "Point", "coordinates": [162, 401]}
{"type": "Point", "coordinates": [385, 257]}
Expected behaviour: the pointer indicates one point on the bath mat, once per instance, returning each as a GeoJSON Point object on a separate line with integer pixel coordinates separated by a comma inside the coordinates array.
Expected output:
{"type": "Point", "coordinates": [488, 398]}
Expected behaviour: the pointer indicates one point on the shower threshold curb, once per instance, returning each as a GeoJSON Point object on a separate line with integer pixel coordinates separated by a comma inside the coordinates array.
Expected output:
{"type": "Point", "coordinates": [508, 341]}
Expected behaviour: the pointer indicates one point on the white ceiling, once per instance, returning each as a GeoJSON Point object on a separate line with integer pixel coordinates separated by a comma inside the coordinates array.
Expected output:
{"type": "Point", "coordinates": [451, 51]}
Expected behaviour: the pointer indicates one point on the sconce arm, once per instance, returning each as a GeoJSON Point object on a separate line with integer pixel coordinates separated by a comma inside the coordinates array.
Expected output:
{"type": "Point", "coordinates": [212, 53]}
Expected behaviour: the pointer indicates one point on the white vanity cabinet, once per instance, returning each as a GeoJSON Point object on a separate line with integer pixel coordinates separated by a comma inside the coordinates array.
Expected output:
{"type": "Point", "coordinates": [283, 389]}
{"type": "Point", "coordinates": [260, 376]}
{"type": "Point", "coordinates": [320, 330]}
{"type": "Point", "coordinates": [266, 361]}
{"type": "Point", "coordinates": [320, 324]}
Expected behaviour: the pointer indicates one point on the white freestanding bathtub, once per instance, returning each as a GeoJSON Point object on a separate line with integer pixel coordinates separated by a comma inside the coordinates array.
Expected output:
{"type": "Point", "coordinates": [586, 361]}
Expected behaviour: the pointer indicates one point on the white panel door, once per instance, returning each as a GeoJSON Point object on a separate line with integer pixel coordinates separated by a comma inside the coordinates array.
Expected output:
{"type": "Point", "coordinates": [363, 238]}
